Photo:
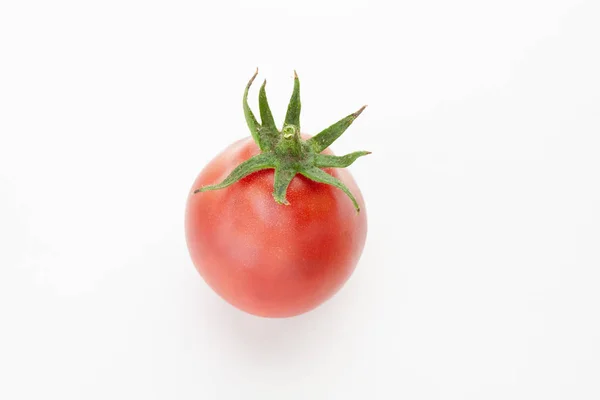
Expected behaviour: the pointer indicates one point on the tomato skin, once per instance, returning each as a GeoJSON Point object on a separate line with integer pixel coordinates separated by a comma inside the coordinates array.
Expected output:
{"type": "Point", "coordinates": [269, 259]}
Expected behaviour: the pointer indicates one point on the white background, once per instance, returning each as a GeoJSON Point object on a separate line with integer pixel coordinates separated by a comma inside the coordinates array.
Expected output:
{"type": "Point", "coordinates": [480, 278]}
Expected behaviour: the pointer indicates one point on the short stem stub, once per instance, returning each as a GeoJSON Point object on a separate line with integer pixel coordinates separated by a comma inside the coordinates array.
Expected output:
{"type": "Point", "coordinates": [290, 143]}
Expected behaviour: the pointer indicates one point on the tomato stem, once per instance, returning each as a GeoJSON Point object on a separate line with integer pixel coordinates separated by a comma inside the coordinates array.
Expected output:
{"type": "Point", "coordinates": [290, 143]}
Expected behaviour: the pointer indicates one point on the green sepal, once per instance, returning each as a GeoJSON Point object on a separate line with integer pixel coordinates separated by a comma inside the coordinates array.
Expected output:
{"type": "Point", "coordinates": [268, 128]}
{"type": "Point", "coordinates": [250, 118]}
{"type": "Point", "coordinates": [283, 177]}
{"type": "Point", "coordinates": [254, 164]}
{"type": "Point", "coordinates": [327, 136]}
{"type": "Point", "coordinates": [292, 117]}
{"type": "Point", "coordinates": [328, 161]}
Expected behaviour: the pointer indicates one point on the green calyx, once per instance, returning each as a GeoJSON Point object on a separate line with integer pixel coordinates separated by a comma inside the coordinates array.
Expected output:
{"type": "Point", "coordinates": [286, 152]}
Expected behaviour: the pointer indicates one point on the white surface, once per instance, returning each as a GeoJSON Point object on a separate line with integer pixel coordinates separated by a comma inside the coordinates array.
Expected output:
{"type": "Point", "coordinates": [481, 272]}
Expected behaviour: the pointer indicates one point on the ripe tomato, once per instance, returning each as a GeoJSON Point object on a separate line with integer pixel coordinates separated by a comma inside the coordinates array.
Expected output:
{"type": "Point", "coordinates": [282, 253]}
{"type": "Point", "coordinates": [266, 258]}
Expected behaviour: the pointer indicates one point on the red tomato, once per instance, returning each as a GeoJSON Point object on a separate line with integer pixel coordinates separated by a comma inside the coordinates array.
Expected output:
{"type": "Point", "coordinates": [273, 223]}
{"type": "Point", "coordinates": [266, 258]}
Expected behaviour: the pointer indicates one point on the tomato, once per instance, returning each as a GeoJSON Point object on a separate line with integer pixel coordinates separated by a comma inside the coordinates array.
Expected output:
{"type": "Point", "coordinates": [276, 253]}
{"type": "Point", "coordinates": [269, 259]}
